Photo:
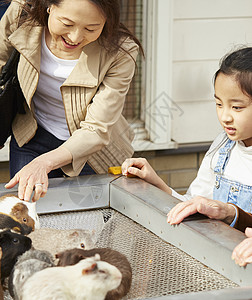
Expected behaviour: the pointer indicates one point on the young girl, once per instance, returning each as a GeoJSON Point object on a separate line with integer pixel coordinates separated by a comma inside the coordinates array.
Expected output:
{"type": "Point", "coordinates": [223, 186]}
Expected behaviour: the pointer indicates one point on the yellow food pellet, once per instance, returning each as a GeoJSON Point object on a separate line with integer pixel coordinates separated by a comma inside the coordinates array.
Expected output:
{"type": "Point", "coordinates": [115, 170]}
{"type": "Point", "coordinates": [150, 261]}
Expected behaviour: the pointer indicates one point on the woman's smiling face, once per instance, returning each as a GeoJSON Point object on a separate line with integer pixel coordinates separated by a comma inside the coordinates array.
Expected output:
{"type": "Point", "coordinates": [71, 26]}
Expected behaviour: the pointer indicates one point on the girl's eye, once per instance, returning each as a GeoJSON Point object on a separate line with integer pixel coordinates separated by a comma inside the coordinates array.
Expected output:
{"type": "Point", "coordinates": [237, 107]}
{"type": "Point", "coordinates": [218, 104]}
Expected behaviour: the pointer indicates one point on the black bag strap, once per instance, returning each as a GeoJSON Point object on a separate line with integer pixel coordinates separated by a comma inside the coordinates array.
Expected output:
{"type": "Point", "coordinates": [10, 67]}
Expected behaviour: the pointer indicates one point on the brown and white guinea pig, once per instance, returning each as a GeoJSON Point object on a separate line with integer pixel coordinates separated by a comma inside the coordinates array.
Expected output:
{"type": "Point", "coordinates": [113, 257]}
{"type": "Point", "coordinates": [10, 222]}
{"type": "Point", "coordinates": [24, 212]}
{"type": "Point", "coordinates": [13, 244]}
{"type": "Point", "coordinates": [90, 279]}
{"type": "Point", "coordinates": [57, 240]}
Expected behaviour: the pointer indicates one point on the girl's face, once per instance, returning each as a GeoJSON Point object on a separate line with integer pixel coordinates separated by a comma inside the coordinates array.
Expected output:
{"type": "Point", "coordinates": [71, 26]}
{"type": "Point", "coordinates": [234, 109]}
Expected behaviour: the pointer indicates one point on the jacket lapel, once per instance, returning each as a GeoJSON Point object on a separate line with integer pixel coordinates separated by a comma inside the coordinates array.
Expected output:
{"type": "Point", "coordinates": [86, 71]}
{"type": "Point", "coordinates": [27, 40]}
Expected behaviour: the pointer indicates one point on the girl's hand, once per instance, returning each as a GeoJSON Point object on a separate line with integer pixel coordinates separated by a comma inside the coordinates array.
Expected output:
{"type": "Point", "coordinates": [31, 177]}
{"type": "Point", "coordinates": [214, 209]}
{"type": "Point", "coordinates": [141, 168]}
{"type": "Point", "coordinates": [242, 253]}
{"type": "Point", "coordinates": [138, 167]}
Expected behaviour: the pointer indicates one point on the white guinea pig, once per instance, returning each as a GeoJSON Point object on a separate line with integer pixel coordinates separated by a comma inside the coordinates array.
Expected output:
{"type": "Point", "coordinates": [90, 279]}
{"type": "Point", "coordinates": [24, 212]}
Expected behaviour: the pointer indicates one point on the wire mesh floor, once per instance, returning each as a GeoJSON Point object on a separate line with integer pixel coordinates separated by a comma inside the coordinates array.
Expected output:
{"type": "Point", "coordinates": [158, 267]}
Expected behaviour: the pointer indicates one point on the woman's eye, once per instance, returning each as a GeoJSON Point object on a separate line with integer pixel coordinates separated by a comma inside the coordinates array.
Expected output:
{"type": "Point", "coordinates": [66, 25]}
{"type": "Point", "coordinates": [89, 30]}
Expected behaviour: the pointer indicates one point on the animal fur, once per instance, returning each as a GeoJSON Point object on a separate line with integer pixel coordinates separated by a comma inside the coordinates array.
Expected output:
{"type": "Point", "coordinates": [13, 245]}
{"type": "Point", "coordinates": [90, 279]}
{"type": "Point", "coordinates": [27, 264]}
{"type": "Point", "coordinates": [113, 257]}
{"type": "Point", "coordinates": [11, 222]}
{"type": "Point", "coordinates": [24, 212]}
{"type": "Point", "coordinates": [56, 240]}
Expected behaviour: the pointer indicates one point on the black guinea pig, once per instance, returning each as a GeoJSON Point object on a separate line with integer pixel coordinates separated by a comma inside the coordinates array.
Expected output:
{"type": "Point", "coordinates": [10, 222]}
{"type": "Point", "coordinates": [13, 245]}
{"type": "Point", "coordinates": [113, 257]}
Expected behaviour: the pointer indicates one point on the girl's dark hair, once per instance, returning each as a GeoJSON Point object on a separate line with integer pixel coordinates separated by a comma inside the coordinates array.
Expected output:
{"type": "Point", "coordinates": [113, 32]}
{"type": "Point", "coordinates": [239, 65]}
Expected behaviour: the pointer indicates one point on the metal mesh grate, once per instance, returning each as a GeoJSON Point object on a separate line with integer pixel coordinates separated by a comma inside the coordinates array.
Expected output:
{"type": "Point", "coordinates": [158, 267]}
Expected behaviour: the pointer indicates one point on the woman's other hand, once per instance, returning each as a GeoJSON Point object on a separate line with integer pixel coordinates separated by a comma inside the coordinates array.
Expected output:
{"type": "Point", "coordinates": [214, 209]}
{"type": "Point", "coordinates": [141, 168]}
{"type": "Point", "coordinates": [242, 253]}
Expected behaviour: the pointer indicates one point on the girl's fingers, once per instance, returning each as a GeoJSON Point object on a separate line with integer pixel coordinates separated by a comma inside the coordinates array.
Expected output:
{"type": "Point", "coordinates": [242, 254]}
{"type": "Point", "coordinates": [181, 211]}
{"type": "Point", "coordinates": [248, 232]}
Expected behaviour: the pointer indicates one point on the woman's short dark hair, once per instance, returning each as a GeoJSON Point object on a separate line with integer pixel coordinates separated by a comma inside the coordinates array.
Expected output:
{"type": "Point", "coordinates": [113, 31]}
{"type": "Point", "coordinates": [239, 65]}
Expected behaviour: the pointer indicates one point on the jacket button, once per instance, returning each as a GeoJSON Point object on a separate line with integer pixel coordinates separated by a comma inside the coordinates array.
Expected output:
{"type": "Point", "coordinates": [217, 184]}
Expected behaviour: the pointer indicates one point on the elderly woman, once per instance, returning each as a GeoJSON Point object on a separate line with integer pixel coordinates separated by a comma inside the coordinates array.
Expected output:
{"type": "Point", "coordinates": [76, 64]}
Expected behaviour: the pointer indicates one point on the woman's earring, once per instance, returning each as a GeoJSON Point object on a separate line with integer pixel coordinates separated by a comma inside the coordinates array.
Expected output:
{"type": "Point", "coordinates": [48, 10]}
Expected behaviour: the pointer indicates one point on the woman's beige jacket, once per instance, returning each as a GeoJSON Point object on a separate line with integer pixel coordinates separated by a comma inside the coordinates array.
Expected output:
{"type": "Point", "coordinates": [93, 96]}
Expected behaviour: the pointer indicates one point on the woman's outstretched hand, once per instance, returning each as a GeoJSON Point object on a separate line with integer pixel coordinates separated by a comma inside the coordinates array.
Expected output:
{"type": "Point", "coordinates": [142, 169]}
{"type": "Point", "coordinates": [214, 209]}
{"type": "Point", "coordinates": [242, 254]}
{"type": "Point", "coordinates": [32, 177]}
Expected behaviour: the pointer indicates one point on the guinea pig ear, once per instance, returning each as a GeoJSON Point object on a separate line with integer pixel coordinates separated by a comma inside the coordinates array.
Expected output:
{"type": "Point", "coordinates": [19, 209]}
{"type": "Point", "coordinates": [89, 269]}
{"type": "Point", "coordinates": [75, 233]}
{"type": "Point", "coordinates": [58, 255]}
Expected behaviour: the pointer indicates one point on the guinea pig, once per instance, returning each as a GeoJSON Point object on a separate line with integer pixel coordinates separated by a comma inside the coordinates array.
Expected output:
{"type": "Point", "coordinates": [11, 222]}
{"type": "Point", "coordinates": [113, 257]}
{"type": "Point", "coordinates": [24, 212]}
{"type": "Point", "coordinates": [89, 279]}
{"type": "Point", "coordinates": [13, 245]}
{"type": "Point", "coordinates": [27, 264]}
{"type": "Point", "coordinates": [56, 240]}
